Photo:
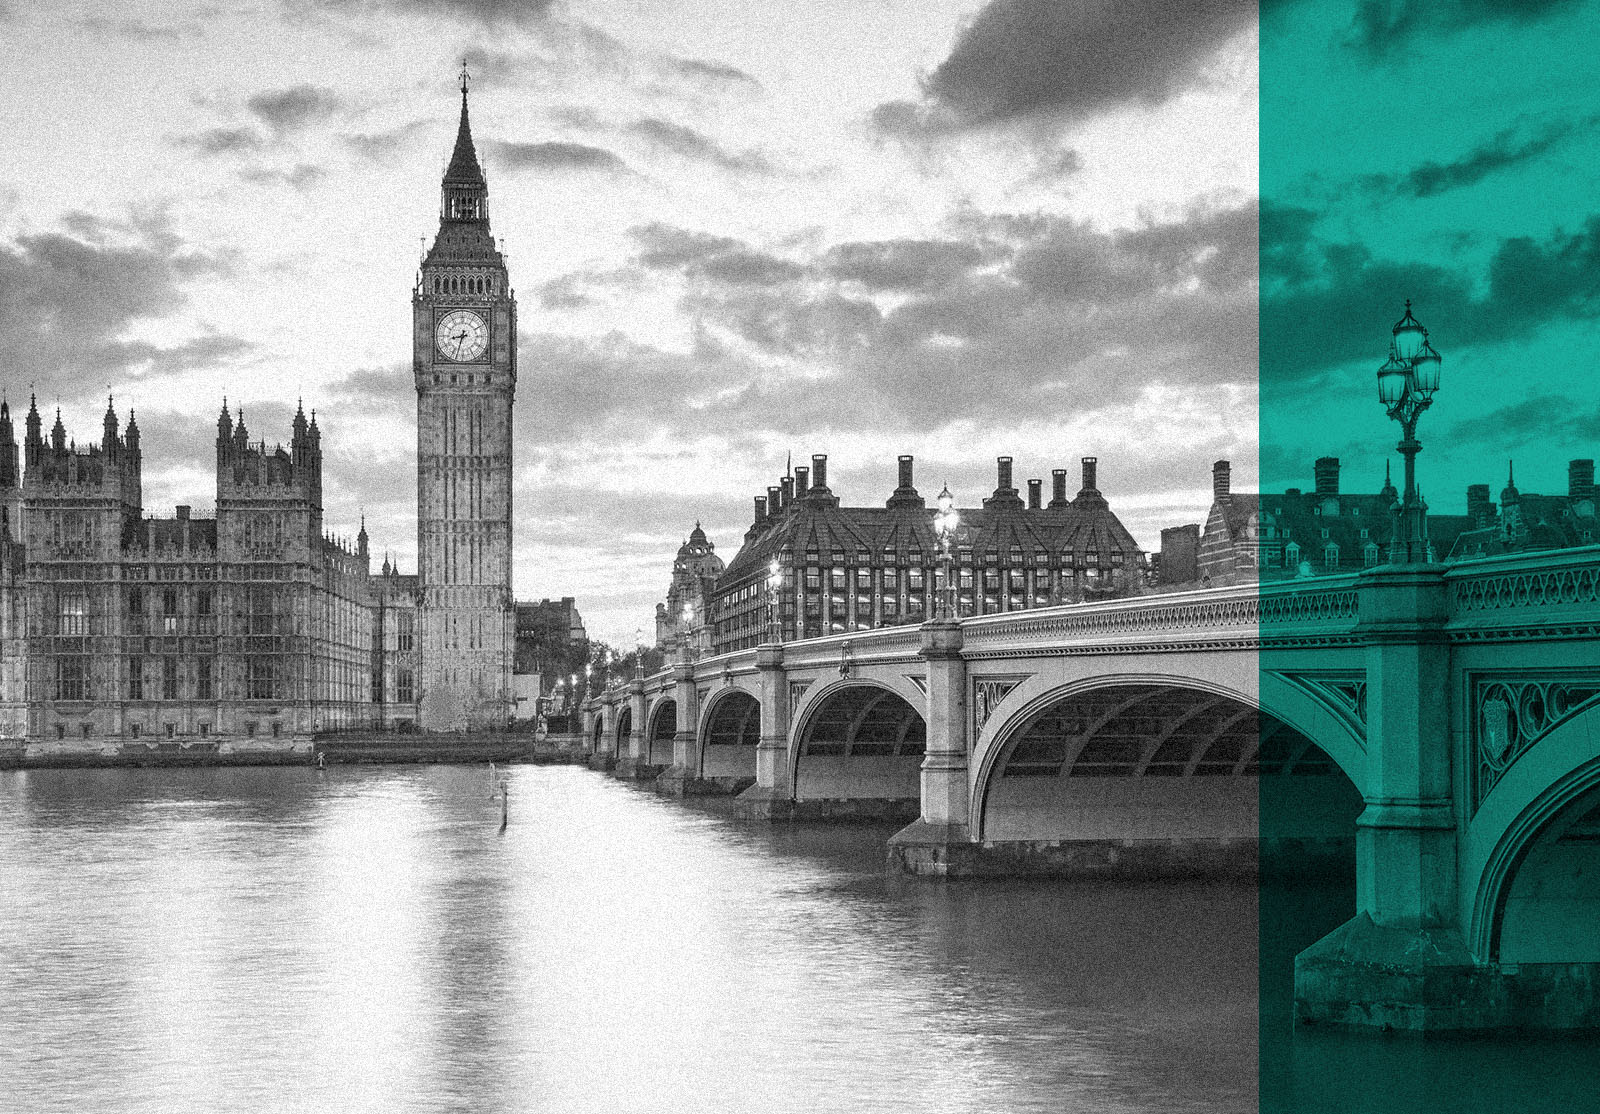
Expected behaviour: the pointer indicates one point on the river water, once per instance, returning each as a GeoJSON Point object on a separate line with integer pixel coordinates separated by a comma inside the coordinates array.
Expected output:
{"type": "Point", "coordinates": [370, 939]}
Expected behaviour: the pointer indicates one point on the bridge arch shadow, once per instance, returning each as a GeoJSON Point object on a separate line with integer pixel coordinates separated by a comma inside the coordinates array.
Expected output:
{"type": "Point", "coordinates": [1533, 849]}
{"type": "Point", "coordinates": [730, 731]}
{"type": "Point", "coordinates": [858, 747]}
{"type": "Point", "coordinates": [624, 727]}
{"type": "Point", "coordinates": [1161, 777]}
{"type": "Point", "coordinates": [663, 726]}
{"type": "Point", "coordinates": [598, 732]}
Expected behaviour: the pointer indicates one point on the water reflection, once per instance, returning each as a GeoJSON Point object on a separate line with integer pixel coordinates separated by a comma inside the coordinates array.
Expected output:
{"type": "Point", "coordinates": [366, 939]}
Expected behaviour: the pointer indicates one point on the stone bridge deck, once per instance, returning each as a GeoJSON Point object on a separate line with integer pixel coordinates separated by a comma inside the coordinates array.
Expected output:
{"type": "Point", "coordinates": [1437, 728]}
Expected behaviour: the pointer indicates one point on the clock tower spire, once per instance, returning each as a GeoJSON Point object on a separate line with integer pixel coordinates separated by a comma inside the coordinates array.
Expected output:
{"type": "Point", "coordinates": [465, 368]}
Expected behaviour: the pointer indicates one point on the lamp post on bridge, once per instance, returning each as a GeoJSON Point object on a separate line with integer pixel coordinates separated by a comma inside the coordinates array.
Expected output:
{"type": "Point", "coordinates": [1406, 384]}
{"type": "Point", "coordinates": [944, 525]}
{"type": "Point", "coordinates": [774, 595]}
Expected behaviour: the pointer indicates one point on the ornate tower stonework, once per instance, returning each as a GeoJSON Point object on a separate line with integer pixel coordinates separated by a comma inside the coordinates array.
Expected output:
{"type": "Point", "coordinates": [464, 340]}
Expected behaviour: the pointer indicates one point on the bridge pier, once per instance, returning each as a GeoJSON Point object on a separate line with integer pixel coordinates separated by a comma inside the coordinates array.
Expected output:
{"type": "Point", "coordinates": [597, 758]}
{"type": "Point", "coordinates": [634, 764]}
{"type": "Point", "coordinates": [1402, 962]}
{"type": "Point", "coordinates": [683, 777]}
{"type": "Point", "coordinates": [939, 842]}
{"type": "Point", "coordinates": [772, 796]}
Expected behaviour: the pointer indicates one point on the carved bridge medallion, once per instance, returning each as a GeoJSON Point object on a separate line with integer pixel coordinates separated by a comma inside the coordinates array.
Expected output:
{"type": "Point", "coordinates": [1511, 713]}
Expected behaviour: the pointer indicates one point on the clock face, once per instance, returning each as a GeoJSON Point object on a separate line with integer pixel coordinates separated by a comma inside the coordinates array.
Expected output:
{"type": "Point", "coordinates": [462, 335]}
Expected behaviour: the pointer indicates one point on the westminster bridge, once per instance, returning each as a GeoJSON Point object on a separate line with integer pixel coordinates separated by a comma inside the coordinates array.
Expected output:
{"type": "Point", "coordinates": [1438, 726]}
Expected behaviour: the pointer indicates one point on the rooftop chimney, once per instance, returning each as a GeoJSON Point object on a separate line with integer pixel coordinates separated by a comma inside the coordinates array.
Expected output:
{"type": "Point", "coordinates": [1580, 479]}
{"type": "Point", "coordinates": [1327, 475]}
{"type": "Point", "coordinates": [1003, 483]}
{"type": "Point", "coordinates": [1219, 481]}
{"type": "Point", "coordinates": [819, 472]}
{"type": "Point", "coordinates": [761, 509]}
{"type": "Point", "coordinates": [787, 486]}
{"type": "Point", "coordinates": [1058, 488]}
{"type": "Point", "coordinates": [1479, 507]}
{"type": "Point", "coordinates": [905, 493]}
{"type": "Point", "coordinates": [802, 480]}
{"type": "Point", "coordinates": [774, 501]}
{"type": "Point", "coordinates": [1089, 463]}
{"type": "Point", "coordinates": [1035, 494]}
{"type": "Point", "coordinates": [183, 514]}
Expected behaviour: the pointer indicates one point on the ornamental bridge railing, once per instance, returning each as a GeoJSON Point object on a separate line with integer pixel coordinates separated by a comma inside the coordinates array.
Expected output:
{"type": "Point", "coordinates": [1540, 595]}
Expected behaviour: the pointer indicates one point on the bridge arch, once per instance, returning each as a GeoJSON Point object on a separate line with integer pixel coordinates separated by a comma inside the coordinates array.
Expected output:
{"type": "Point", "coordinates": [624, 727]}
{"type": "Point", "coordinates": [857, 739]}
{"type": "Point", "coordinates": [730, 729]}
{"type": "Point", "coordinates": [1175, 761]}
{"type": "Point", "coordinates": [662, 728]}
{"type": "Point", "coordinates": [1533, 852]}
{"type": "Point", "coordinates": [597, 733]}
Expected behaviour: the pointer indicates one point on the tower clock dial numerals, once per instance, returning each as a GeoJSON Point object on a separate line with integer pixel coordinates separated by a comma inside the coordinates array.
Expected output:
{"type": "Point", "coordinates": [461, 335]}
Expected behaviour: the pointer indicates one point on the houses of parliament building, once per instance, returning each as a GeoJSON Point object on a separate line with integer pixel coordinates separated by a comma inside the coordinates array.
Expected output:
{"type": "Point", "coordinates": [253, 630]}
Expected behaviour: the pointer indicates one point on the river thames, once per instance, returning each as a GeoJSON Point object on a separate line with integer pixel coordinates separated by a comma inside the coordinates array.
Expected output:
{"type": "Point", "coordinates": [369, 939]}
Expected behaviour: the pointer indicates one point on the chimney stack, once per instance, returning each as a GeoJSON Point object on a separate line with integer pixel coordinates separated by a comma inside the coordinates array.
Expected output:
{"type": "Point", "coordinates": [802, 480]}
{"type": "Point", "coordinates": [1058, 488]}
{"type": "Point", "coordinates": [1479, 508]}
{"type": "Point", "coordinates": [761, 509]}
{"type": "Point", "coordinates": [1327, 475]}
{"type": "Point", "coordinates": [1035, 493]}
{"type": "Point", "coordinates": [183, 514]}
{"type": "Point", "coordinates": [1580, 479]}
{"type": "Point", "coordinates": [905, 473]}
{"type": "Point", "coordinates": [819, 472]}
{"type": "Point", "coordinates": [1004, 479]}
{"type": "Point", "coordinates": [1219, 481]}
{"type": "Point", "coordinates": [774, 501]}
{"type": "Point", "coordinates": [1089, 463]}
{"type": "Point", "coordinates": [786, 485]}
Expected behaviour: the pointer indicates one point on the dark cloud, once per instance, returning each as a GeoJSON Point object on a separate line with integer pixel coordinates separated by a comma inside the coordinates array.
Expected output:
{"type": "Point", "coordinates": [1381, 26]}
{"type": "Point", "coordinates": [381, 146]}
{"type": "Point", "coordinates": [1020, 59]}
{"type": "Point", "coordinates": [300, 177]}
{"type": "Point", "coordinates": [1049, 307]}
{"type": "Point", "coordinates": [713, 72]}
{"type": "Point", "coordinates": [288, 110]}
{"type": "Point", "coordinates": [1504, 150]}
{"type": "Point", "coordinates": [138, 30]}
{"type": "Point", "coordinates": [690, 144]}
{"type": "Point", "coordinates": [554, 156]}
{"type": "Point", "coordinates": [1545, 417]}
{"type": "Point", "coordinates": [903, 265]}
{"type": "Point", "coordinates": [1321, 299]}
{"type": "Point", "coordinates": [484, 13]}
{"type": "Point", "coordinates": [68, 298]}
{"type": "Point", "coordinates": [222, 141]}
{"type": "Point", "coordinates": [668, 248]}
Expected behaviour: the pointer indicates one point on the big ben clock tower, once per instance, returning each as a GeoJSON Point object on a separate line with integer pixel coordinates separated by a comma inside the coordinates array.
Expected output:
{"type": "Point", "coordinates": [464, 339]}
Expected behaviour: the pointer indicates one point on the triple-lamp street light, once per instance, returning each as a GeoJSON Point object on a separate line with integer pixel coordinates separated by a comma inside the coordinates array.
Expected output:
{"type": "Point", "coordinates": [774, 596]}
{"type": "Point", "coordinates": [945, 522]}
{"type": "Point", "coordinates": [1406, 384]}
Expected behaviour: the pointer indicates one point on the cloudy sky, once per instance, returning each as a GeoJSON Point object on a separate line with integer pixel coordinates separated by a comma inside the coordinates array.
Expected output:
{"type": "Point", "coordinates": [953, 228]}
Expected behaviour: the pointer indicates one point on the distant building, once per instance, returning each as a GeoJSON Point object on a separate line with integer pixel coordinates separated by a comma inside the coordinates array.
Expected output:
{"type": "Point", "coordinates": [855, 568]}
{"type": "Point", "coordinates": [550, 646]}
{"type": "Point", "coordinates": [1249, 536]}
{"type": "Point", "coordinates": [682, 619]}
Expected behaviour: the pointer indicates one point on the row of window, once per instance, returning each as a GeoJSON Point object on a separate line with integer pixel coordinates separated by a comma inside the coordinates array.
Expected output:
{"type": "Point", "coordinates": [136, 730]}
{"type": "Point", "coordinates": [161, 680]}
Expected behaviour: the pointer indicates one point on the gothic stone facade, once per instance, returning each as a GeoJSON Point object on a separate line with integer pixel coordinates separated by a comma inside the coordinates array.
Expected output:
{"type": "Point", "coordinates": [253, 630]}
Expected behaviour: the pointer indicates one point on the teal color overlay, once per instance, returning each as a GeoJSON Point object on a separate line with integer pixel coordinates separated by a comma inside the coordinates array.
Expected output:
{"type": "Point", "coordinates": [1449, 154]}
